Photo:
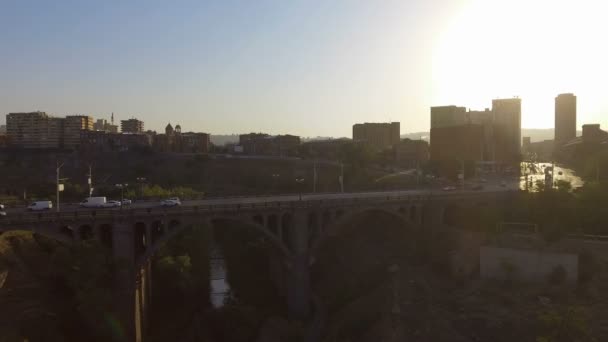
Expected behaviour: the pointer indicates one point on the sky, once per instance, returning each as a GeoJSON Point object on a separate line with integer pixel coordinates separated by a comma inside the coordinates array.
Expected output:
{"type": "Point", "coordinates": [305, 67]}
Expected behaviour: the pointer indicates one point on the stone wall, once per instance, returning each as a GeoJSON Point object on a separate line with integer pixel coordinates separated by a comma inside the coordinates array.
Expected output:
{"type": "Point", "coordinates": [526, 265]}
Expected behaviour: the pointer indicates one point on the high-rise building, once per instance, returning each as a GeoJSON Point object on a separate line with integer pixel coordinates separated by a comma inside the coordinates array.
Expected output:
{"type": "Point", "coordinates": [72, 127]}
{"type": "Point", "coordinates": [379, 136]}
{"type": "Point", "coordinates": [448, 116]}
{"type": "Point", "coordinates": [36, 130]}
{"type": "Point", "coordinates": [507, 129]}
{"type": "Point", "coordinates": [132, 126]}
{"type": "Point", "coordinates": [565, 119]}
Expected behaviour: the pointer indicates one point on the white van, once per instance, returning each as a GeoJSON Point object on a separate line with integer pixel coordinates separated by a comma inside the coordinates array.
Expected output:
{"type": "Point", "coordinates": [40, 205]}
{"type": "Point", "coordinates": [93, 202]}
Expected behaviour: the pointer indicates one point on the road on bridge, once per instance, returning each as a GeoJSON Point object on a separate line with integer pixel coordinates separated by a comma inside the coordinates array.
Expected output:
{"type": "Point", "coordinates": [488, 188]}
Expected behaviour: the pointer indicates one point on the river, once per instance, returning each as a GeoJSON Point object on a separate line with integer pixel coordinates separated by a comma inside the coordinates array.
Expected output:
{"type": "Point", "coordinates": [220, 289]}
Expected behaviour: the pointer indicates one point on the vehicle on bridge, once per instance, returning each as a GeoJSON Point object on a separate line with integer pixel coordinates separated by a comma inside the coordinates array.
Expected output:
{"type": "Point", "coordinates": [112, 204]}
{"type": "Point", "coordinates": [170, 202]}
{"type": "Point", "coordinates": [93, 202]}
{"type": "Point", "coordinates": [40, 206]}
{"type": "Point", "coordinates": [126, 201]}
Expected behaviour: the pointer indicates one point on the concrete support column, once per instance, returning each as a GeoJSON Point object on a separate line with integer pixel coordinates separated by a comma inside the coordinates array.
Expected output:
{"type": "Point", "coordinates": [148, 237]}
{"type": "Point", "coordinates": [127, 304]}
{"type": "Point", "coordinates": [433, 215]}
{"type": "Point", "coordinates": [298, 298]}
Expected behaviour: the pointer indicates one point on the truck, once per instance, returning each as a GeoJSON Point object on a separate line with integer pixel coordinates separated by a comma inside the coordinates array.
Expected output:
{"type": "Point", "coordinates": [40, 205]}
{"type": "Point", "coordinates": [93, 202]}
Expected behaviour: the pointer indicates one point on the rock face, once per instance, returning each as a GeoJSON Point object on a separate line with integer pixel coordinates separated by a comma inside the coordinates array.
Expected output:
{"type": "Point", "coordinates": [274, 329]}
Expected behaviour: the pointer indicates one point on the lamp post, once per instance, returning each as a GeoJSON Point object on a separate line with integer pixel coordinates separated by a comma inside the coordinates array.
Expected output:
{"type": "Point", "coordinates": [300, 181]}
{"type": "Point", "coordinates": [59, 187]}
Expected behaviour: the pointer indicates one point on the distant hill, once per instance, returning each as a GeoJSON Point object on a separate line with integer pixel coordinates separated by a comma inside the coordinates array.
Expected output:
{"type": "Point", "coordinates": [416, 136]}
{"type": "Point", "coordinates": [535, 134]}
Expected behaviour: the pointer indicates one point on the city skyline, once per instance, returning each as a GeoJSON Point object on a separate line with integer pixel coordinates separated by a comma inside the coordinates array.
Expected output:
{"type": "Point", "coordinates": [309, 69]}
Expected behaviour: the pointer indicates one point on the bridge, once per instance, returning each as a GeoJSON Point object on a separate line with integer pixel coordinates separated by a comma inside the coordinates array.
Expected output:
{"type": "Point", "coordinates": [296, 225]}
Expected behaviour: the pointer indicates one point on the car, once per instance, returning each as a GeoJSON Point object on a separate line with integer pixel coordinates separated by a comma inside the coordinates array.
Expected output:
{"type": "Point", "coordinates": [2, 213]}
{"type": "Point", "coordinates": [126, 202]}
{"type": "Point", "coordinates": [1, 206]}
{"type": "Point", "coordinates": [449, 188]}
{"type": "Point", "coordinates": [112, 204]}
{"type": "Point", "coordinates": [170, 202]}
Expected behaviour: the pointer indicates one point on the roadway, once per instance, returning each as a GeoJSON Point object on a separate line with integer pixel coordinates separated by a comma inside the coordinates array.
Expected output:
{"type": "Point", "coordinates": [247, 200]}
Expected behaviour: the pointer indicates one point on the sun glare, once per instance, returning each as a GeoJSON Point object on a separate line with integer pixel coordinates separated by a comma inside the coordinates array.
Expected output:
{"type": "Point", "coordinates": [531, 49]}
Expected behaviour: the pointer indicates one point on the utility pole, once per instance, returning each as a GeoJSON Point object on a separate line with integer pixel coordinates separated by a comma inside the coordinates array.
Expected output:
{"type": "Point", "coordinates": [57, 184]}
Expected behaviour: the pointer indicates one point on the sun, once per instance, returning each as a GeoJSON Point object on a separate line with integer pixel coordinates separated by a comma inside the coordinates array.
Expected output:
{"type": "Point", "coordinates": [526, 48]}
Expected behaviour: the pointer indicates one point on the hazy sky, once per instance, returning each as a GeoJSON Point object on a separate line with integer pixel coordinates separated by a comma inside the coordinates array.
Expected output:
{"type": "Point", "coordinates": [302, 67]}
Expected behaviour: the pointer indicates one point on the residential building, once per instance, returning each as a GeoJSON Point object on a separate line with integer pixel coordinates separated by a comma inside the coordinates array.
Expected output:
{"type": "Point", "coordinates": [565, 119]}
{"type": "Point", "coordinates": [104, 125]}
{"type": "Point", "coordinates": [100, 141]}
{"type": "Point", "coordinates": [457, 143]}
{"type": "Point", "coordinates": [411, 153]}
{"type": "Point", "coordinates": [72, 127]}
{"type": "Point", "coordinates": [175, 141]}
{"type": "Point", "coordinates": [507, 129]}
{"type": "Point", "coordinates": [525, 147]}
{"type": "Point", "coordinates": [379, 136]}
{"type": "Point", "coordinates": [132, 126]}
{"type": "Point", "coordinates": [324, 149]}
{"type": "Point", "coordinates": [35, 130]}
{"type": "Point", "coordinates": [264, 144]}
{"type": "Point", "coordinates": [448, 116]}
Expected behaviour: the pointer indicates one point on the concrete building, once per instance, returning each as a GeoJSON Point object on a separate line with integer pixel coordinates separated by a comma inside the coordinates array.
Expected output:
{"type": "Point", "coordinates": [525, 147]}
{"type": "Point", "coordinates": [264, 144]}
{"type": "Point", "coordinates": [457, 143]}
{"type": "Point", "coordinates": [175, 141]}
{"type": "Point", "coordinates": [324, 149]}
{"type": "Point", "coordinates": [411, 153]}
{"type": "Point", "coordinates": [379, 136]}
{"type": "Point", "coordinates": [104, 125]}
{"type": "Point", "coordinates": [100, 141]}
{"type": "Point", "coordinates": [507, 129]}
{"type": "Point", "coordinates": [448, 116]}
{"type": "Point", "coordinates": [132, 126]}
{"type": "Point", "coordinates": [72, 127]}
{"type": "Point", "coordinates": [35, 130]}
{"type": "Point", "coordinates": [565, 119]}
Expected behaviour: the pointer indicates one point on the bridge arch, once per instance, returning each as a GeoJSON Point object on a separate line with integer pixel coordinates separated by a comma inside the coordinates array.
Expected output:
{"type": "Point", "coordinates": [161, 233]}
{"type": "Point", "coordinates": [334, 228]}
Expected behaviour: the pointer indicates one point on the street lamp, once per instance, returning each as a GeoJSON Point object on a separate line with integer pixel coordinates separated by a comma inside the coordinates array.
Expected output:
{"type": "Point", "coordinates": [300, 180]}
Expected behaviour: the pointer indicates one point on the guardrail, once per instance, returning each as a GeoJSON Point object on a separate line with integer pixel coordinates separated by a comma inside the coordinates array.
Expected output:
{"type": "Point", "coordinates": [40, 217]}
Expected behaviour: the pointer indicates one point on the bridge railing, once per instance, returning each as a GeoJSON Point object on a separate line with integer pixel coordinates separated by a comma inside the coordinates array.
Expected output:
{"type": "Point", "coordinates": [110, 214]}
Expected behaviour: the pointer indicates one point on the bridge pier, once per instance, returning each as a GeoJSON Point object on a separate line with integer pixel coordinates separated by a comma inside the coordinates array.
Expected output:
{"type": "Point", "coordinates": [298, 284]}
{"type": "Point", "coordinates": [128, 307]}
